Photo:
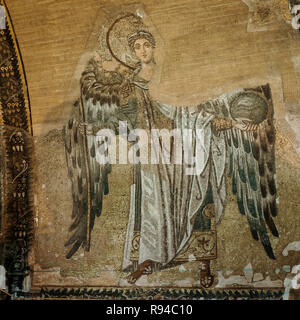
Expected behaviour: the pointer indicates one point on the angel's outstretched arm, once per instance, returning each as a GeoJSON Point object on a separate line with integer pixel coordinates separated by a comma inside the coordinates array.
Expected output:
{"type": "Point", "coordinates": [242, 122]}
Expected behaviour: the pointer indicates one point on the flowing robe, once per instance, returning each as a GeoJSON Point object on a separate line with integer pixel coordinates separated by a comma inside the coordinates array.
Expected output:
{"type": "Point", "coordinates": [167, 199]}
{"type": "Point", "coordinates": [174, 205]}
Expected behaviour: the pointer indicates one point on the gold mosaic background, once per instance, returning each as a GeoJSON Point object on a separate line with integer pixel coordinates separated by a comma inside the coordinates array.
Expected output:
{"type": "Point", "coordinates": [210, 47]}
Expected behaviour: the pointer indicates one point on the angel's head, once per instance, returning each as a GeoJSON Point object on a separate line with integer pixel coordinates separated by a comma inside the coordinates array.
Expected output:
{"type": "Point", "coordinates": [142, 44]}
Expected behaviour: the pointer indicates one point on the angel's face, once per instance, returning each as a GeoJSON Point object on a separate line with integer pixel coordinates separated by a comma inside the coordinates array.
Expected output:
{"type": "Point", "coordinates": [143, 50]}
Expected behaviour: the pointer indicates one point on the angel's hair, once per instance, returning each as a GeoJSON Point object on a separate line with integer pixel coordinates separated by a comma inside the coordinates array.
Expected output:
{"type": "Point", "coordinates": [141, 34]}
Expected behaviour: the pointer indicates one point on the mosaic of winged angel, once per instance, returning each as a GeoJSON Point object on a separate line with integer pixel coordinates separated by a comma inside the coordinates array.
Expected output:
{"type": "Point", "coordinates": [172, 214]}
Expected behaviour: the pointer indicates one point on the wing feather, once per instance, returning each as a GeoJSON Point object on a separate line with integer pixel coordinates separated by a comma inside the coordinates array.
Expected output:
{"type": "Point", "coordinates": [251, 165]}
{"type": "Point", "coordinates": [100, 100]}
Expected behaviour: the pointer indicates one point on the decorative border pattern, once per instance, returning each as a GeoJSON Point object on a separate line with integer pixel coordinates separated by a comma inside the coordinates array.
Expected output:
{"type": "Point", "coordinates": [160, 294]}
{"type": "Point", "coordinates": [16, 141]}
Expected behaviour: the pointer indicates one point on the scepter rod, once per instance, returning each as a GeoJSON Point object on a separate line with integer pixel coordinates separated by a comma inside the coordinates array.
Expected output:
{"type": "Point", "coordinates": [88, 176]}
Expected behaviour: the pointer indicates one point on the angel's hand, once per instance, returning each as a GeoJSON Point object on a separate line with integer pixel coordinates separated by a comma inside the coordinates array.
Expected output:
{"type": "Point", "coordinates": [244, 125]}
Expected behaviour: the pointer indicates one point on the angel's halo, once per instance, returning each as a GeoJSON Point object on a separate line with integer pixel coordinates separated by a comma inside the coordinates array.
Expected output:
{"type": "Point", "coordinates": [117, 38]}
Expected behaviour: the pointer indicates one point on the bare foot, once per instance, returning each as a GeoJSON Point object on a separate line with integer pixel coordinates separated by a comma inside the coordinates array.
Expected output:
{"type": "Point", "coordinates": [143, 268]}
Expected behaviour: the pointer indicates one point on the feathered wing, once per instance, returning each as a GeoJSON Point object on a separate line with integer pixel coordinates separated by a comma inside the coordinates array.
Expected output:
{"type": "Point", "coordinates": [99, 107]}
{"type": "Point", "coordinates": [251, 165]}
{"type": "Point", "coordinates": [77, 172]}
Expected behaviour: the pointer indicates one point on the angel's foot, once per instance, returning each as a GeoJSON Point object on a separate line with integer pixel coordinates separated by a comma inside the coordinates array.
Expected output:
{"type": "Point", "coordinates": [133, 277]}
{"type": "Point", "coordinates": [206, 278]}
{"type": "Point", "coordinates": [143, 268]}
